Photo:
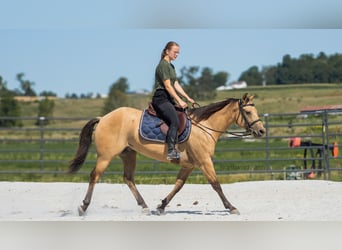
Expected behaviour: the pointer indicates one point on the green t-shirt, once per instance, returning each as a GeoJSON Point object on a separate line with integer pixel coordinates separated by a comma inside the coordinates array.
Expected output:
{"type": "Point", "coordinates": [164, 71]}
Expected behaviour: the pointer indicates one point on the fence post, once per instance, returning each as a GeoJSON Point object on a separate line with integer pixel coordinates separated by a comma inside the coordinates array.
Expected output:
{"type": "Point", "coordinates": [268, 167]}
{"type": "Point", "coordinates": [41, 142]}
{"type": "Point", "coordinates": [325, 150]}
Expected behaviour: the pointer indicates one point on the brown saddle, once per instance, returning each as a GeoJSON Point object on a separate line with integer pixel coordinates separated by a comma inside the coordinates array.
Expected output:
{"type": "Point", "coordinates": [182, 117]}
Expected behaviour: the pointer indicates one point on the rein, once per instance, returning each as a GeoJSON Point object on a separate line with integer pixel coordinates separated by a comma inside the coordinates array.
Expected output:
{"type": "Point", "coordinates": [242, 112]}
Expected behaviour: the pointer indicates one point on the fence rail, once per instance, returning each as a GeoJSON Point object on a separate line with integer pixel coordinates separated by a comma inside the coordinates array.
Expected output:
{"type": "Point", "coordinates": [45, 145]}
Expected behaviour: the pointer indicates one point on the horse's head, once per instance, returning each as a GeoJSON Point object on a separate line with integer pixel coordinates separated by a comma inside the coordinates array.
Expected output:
{"type": "Point", "coordinates": [248, 117]}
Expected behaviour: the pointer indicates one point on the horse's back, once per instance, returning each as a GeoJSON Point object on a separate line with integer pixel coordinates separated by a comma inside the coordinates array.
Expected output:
{"type": "Point", "coordinates": [123, 116]}
{"type": "Point", "coordinates": [118, 124]}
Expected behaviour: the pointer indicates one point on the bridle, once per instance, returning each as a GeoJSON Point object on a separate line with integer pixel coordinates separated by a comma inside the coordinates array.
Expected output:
{"type": "Point", "coordinates": [248, 126]}
{"type": "Point", "coordinates": [242, 112]}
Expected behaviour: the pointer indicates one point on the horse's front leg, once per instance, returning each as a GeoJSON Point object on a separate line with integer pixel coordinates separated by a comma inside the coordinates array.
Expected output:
{"type": "Point", "coordinates": [209, 171]}
{"type": "Point", "coordinates": [217, 187]}
{"type": "Point", "coordinates": [183, 175]}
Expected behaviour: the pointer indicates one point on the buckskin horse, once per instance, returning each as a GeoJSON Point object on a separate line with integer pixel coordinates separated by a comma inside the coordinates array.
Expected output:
{"type": "Point", "coordinates": [117, 134]}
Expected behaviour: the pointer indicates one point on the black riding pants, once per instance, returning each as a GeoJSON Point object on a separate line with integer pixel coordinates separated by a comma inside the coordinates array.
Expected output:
{"type": "Point", "coordinates": [167, 112]}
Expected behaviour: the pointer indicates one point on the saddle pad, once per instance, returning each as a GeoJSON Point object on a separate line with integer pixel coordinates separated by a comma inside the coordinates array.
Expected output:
{"type": "Point", "coordinates": [149, 129]}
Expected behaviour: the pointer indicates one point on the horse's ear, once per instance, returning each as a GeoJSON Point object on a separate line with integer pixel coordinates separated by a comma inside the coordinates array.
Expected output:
{"type": "Point", "coordinates": [245, 98]}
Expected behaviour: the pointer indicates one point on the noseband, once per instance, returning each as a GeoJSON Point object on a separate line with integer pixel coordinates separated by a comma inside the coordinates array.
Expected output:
{"type": "Point", "coordinates": [248, 125]}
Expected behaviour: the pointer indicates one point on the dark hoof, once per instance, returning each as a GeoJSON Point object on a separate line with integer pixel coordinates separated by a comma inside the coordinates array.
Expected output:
{"type": "Point", "coordinates": [160, 211]}
{"type": "Point", "coordinates": [81, 211]}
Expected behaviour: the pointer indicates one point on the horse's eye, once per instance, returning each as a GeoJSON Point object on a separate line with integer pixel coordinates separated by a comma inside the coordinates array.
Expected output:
{"type": "Point", "coordinates": [248, 113]}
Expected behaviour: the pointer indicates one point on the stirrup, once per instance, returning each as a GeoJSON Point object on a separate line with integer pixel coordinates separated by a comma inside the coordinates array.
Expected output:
{"type": "Point", "coordinates": [173, 155]}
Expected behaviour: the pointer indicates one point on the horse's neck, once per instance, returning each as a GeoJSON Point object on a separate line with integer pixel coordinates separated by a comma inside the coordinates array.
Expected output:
{"type": "Point", "coordinates": [223, 119]}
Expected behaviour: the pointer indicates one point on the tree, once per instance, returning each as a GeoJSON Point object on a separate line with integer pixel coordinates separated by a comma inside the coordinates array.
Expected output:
{"type": "Point", "coordinates": [121, 85]}
{"type": "Point", "coordinates": [189, 80]}
{"type": "Point", "coordinates": [306, 69]}
{"type": "Point", "coordinates": [283, 73]}
{"type": "Point", "coordinates": [71, 96]}
{"type": "Point", "coordinates": [117, 95]}
{"type": "Point", "coordinates": [203, 86]}
{"type": "Point", "coordinates": [26, 85]}
{"type": "Point", "coordinates": [335, 65]}
{"type": "Point", "coordinates": [220, 79]}
{"type": "Point", "coordinates": [45, 109]}
{"type": "Point", "coordinates": [321, 69]}
{"type": "Point", "coordinates": [47, 93]}
{"type": "Point", "coordinates": [3, 87]}
{"type": "Point", "coordinates": [206, 85]}
{"type": "Point", "coordinates": [252, 76]}
{"type": "Point", "coordinates": [9, 107]}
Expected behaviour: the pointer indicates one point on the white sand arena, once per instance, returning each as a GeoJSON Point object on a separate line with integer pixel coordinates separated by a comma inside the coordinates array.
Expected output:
{"type": "Point", "coordinates": [299, 200]}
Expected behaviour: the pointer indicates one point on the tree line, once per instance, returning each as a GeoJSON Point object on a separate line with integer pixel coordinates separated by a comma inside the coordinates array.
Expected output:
{"type": "Point", "coordinates": [305, 69]}
{"type": "Point", "coordinates": [200, 83]}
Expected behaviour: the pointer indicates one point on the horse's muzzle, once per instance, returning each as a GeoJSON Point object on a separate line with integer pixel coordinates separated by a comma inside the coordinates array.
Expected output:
{"type": "Point", "coordinates": [258, 130]}
{"type": "Point", "coordinates": [259, 133]}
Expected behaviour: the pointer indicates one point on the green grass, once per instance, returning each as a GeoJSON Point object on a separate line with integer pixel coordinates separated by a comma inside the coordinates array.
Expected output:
{"type": "Point", "coordinates": [289, 98]}
{"type": "Point", "coordinates": [270, 99]}
{"type": "Point", "coordinates": [227, 163]}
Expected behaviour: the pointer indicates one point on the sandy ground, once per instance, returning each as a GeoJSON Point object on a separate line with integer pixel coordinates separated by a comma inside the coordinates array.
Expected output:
{"type": "Point", "coordinates": [298, 200]}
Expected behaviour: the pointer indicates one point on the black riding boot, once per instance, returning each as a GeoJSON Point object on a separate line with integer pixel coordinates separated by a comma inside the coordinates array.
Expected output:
{"type": "Point", "coordinates": [171, 140]}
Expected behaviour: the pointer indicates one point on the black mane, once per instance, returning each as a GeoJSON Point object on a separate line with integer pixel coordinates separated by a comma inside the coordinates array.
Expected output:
{"type": "Point", "coordinates": [203, 113]}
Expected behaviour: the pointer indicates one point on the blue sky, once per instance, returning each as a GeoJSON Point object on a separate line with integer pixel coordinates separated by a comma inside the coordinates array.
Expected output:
{"type": "Point", "coordinates": [85, 46]}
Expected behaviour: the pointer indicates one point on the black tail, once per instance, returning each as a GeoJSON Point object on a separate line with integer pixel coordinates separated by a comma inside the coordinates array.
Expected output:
{"type": "Point", "coordinates": [83, 145]}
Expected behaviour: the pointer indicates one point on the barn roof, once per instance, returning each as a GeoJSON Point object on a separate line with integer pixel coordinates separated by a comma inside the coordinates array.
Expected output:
{"type": "Point", "coordinates": [318, 108]}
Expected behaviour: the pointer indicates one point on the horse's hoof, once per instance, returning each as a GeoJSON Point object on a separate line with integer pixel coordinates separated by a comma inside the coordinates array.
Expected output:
{"type": "Point", "coordinates": [234, 211]}
{"type": "Point", "coordinates": [81, 212]}
{"type": "Point", "coordinates": [160, 211]}
{"type": "Point", "coordinates": [146, 211]}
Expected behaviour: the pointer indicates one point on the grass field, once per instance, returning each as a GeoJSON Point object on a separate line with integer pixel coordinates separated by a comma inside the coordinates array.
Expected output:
{"type": "Point", "coordinates": [271, 99]}
{"type": "Point", "coordinates": [228, 153]}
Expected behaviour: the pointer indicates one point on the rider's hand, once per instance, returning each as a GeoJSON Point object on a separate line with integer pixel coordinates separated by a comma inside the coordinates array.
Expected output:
{"type": "Point", "coordinates": [183, 104]}
{"type": "Point", "coordinates": [191, 100]}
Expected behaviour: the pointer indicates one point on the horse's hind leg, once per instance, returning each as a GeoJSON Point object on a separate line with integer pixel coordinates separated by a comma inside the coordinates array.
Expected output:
{"type": "Point", "coordinates": [129, 159]}
{"type": "Point", "coordinates": [95, 175]}
{"type": "Point", "coordinates": [183, 175]}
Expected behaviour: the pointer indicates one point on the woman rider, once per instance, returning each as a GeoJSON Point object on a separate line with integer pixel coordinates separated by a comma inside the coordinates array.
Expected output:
{"type": "Point", "coordinates": [167, 92]}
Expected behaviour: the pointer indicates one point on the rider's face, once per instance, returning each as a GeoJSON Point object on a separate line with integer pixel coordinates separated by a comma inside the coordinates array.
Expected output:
{"type": "Point", "coordinates": [173, 52]}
